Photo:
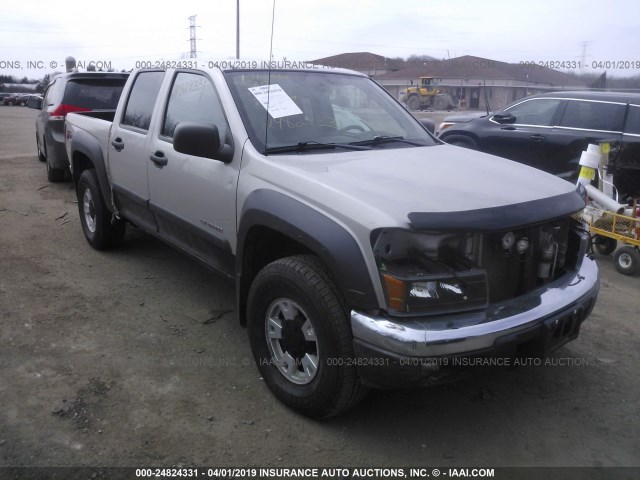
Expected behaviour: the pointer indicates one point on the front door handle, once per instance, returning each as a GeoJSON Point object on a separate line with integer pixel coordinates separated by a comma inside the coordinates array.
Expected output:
{"type": "Point", "coordinates": [159, 159]}
{"type": "Point", "coordinates": [537, 138]}
{"type": "Point", "coordinates": [117, 143]}
{"type": "Point", "coordinates": [507, 128]}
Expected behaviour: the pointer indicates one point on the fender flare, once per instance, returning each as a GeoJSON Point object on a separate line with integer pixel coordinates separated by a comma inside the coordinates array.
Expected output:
{"type": "Point", "coordinates": [335, 246]}
{"type": "Point", "coordinates": [82, 142]}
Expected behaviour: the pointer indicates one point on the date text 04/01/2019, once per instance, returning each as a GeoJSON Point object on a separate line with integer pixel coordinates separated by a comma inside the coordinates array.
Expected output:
{"type": "Point", "coordinates": [313, 472]}
{"type": "Point", "coordinates": [578, 65]}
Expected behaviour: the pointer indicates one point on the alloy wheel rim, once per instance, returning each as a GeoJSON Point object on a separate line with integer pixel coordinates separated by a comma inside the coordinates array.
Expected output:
{"type": "Point", "coordinates": [292, 341]}
{"type": "Point", "coordinates": [89, 210]}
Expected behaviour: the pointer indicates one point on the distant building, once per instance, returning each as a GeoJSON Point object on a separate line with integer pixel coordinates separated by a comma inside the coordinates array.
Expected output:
{"type": "Point", "coordinates": [471, 81]}
{"type": "Point", "coordinates": [363, 62]}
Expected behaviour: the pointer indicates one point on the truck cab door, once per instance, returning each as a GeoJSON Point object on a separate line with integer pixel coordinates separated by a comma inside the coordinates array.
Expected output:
{"type": "Point", "coordinates": [128, 149]}
{"type": "Point", "coordinates": [193, 198]}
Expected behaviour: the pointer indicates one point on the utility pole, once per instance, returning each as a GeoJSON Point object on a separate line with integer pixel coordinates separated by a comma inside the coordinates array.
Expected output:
{"type": "Point", "coordinates": [192, 35]}
{"type": "Point", "coordinates": [238, 29]}
{"type": "Point", "coordinates": [583, 57]}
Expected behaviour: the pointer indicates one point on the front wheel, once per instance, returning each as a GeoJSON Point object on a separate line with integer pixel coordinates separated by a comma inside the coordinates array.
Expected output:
{"type": "Point", "coordinates": [100, 229]}
{"type": "Point", "coordinates": [413, 103]}
{"type": "Point", "coordinates": [300, 337]}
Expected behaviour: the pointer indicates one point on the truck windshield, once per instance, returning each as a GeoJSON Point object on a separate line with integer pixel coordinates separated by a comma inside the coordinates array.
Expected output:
{"type": "Point", "coordinates": [286, 111]}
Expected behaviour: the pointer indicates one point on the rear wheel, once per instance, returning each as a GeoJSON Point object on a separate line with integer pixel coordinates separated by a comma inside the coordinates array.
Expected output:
{"type": "Point", "coordinates": [41, 155]}
{"type": "Point", "coordinates": [54, 174]}
{"type": "Point", "coordinates": [605, 245]}
{"type": "Point", "coordinates": [100, 230]}
{"type": "Point", "coordinates": [626, 260]}
{"type": "Point", "coordinates": [301, 339]}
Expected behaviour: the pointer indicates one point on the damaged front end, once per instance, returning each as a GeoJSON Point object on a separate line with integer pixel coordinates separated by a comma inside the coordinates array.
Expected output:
{"type": "Point", "coordinates": [431, 273]}
{"type": "Point", "coordinates": [455, 293]}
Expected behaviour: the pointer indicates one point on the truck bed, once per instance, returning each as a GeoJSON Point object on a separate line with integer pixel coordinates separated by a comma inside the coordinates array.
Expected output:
{"type": "Point", "coordinates": [96, 123]}
{"type": "Point", "coordinates": [107, 115]}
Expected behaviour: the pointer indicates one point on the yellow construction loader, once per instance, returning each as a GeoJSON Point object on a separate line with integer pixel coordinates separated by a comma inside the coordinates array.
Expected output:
{"type": "Point", "coordinates": [427, 95]}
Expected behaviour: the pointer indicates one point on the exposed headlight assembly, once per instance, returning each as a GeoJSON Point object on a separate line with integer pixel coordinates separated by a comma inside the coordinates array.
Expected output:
{"type": "Point", "coordinates": [430, 273]}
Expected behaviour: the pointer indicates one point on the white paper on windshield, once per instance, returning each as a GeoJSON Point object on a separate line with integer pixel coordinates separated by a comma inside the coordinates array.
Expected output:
{"type": "Point", "coordinates": [275, 100]}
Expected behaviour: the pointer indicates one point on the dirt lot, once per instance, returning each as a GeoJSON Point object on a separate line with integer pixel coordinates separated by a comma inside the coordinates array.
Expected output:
{"type": "Point", "coordinates": [134, 358]}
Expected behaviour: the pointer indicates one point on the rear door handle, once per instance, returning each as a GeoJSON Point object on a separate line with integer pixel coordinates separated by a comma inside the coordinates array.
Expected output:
{"type": "Point", "coordinates": [507, 128]}
{"type": "Point", "coordinates": [117, 143]}
{"type": "Point", "coordinates": [537, 138]}
{"type": "Point", "coordinates": [159, 159]}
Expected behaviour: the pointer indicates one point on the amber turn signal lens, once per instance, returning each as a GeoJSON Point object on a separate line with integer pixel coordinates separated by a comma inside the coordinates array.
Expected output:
{"type": "Point", "coordinates": [396, 292]}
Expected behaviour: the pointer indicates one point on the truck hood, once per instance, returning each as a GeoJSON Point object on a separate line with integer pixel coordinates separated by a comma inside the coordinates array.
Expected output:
{"type": "Point", "coordinates": [422, 185]}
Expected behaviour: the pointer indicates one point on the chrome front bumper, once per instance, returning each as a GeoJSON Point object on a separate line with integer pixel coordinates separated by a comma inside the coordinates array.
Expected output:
{"type": "Point", "coordinates": [571, 296]}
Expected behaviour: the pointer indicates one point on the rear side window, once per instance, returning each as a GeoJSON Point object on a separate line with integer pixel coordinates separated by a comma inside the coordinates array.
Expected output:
{"type": "Point", "coordinates": [53, 95]}
{"type": "Point", "coordinates": [96, 94]}
{"type": "Point", "coordinates": [142, 100]}
{"type": "Point", "coordinates": [535, 112]}
{"type": "Point", "coordinates": [593, 115]}
{"type": "Point", "coordinates": [633, 120]}
{"type": "Point", "coordinates": [193, 99]}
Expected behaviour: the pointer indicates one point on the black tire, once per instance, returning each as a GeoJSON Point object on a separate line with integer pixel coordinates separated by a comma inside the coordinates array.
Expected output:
{"type": "Point", "coordinates": [442, 102]}
{"type": "Point", "coordinates": [626, 260]}
{"type": "Point", "coordinates": [41, 156]}
{"type": "Point", "coordinates": [54, 175]}
{"type": "Point", "coordinates": [317, 333]}
{"type": "Point", "coordinates": [96, 219]}
{"type": "Point", "coordinates": [605, 245]}
{"type": "Point", "coordinates": [413, 103]}
{"type": "Point", "coordinates": [461, 141]}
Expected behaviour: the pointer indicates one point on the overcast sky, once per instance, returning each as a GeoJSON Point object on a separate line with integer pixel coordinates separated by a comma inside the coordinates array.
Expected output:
{"type": "Point", "coordinates": [121, 33]}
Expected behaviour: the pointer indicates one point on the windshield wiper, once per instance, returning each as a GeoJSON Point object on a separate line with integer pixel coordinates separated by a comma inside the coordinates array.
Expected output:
{"type": "Point", "coordinates": [379, 139]}
{"type": "Point", "coordinates": [313, 145]}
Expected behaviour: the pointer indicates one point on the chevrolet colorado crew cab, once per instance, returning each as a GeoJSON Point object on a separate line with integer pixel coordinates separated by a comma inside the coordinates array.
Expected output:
{"type": "Point", "coordinates": [365, 252]}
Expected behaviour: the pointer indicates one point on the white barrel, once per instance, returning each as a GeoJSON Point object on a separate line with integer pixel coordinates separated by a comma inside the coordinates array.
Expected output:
{"type": "Point", "coordinates": [591, 156]}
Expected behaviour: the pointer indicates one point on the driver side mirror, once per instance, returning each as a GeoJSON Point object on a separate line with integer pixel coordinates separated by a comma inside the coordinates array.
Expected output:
{"type": "Point", "coordinates": [504, 118]}
{"type": "Point", "coordinates": [201, 140]}
{"type": "Point", "coordinates": [429, 124]}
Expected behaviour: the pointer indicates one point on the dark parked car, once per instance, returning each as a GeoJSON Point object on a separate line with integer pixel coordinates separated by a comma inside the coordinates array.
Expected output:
{"type": "Point", "coordinates": [23, 99]}
{"type": "Point", "coordinates": [4, 95]}
{"type": "Point", "coordinates": [11, 99]}
{"type": "Point", "coordinates": [71, 92]}
{"type": "Point", "coordinates": [551, 130]}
